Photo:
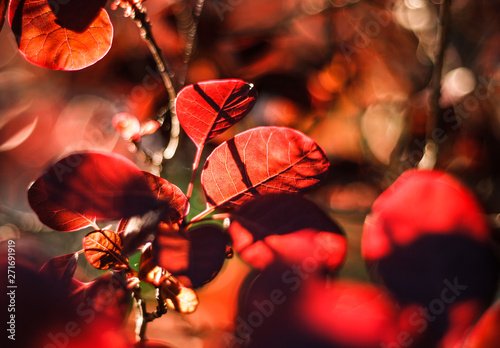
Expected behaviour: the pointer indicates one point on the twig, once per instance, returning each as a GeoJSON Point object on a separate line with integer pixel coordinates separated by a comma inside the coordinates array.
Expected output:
{"type": "Point", "coordinates": [141, 322]}
{"type": "Point", "coordinates": [188, 48]}
{"type": "Point", "coordinates": [436, 115]}
{"type": "Point", "coordinates": [143, 317]}
{"type": "Point", "coordinates": [138, 14]}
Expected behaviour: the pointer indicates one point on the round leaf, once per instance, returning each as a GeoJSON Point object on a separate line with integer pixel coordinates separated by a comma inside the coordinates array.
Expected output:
{"type": "Point", "coordinates": [54, 215]}
{"type": "Point", "coordinates": [262, 160]}
{"type": "Point", "coordinates": [103, 249]}
{"type": "Point", "coordinates": [426, 235]}
{"type": "Point", "coordinates": [208, 108]}
{"type": "Point", "coordinates": [61, 267]}
{"type": "Point", "coordinates": [74, 37]}
{"type": "Point", "coordinates": [195, 257]}
{"type": "Point", "coordinates": [286, 228]}
{"type": "Point", "coordinates": [96, 185]}
{"type": "Point", "coordinates": [168, 192]}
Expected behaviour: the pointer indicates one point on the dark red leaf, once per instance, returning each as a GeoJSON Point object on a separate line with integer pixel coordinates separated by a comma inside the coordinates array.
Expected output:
{"type": "Point", "coordinates": [206, 109]}
{"type": "Point", "coordinates": [262, 160]}
{"type": "Point", "coordinates": [171, 248]}
{"type": "Point", "coordinates": [108, 295]}
{"type": "Point", "coordinates": [103, 249]}
{"type": "Point", "coordinates": [485, 333]}
{"type": "Point", "coordinates": [171, 194]}
{"type": "Point", "coordinates": [427, 235]}
{"type": "Point", "coordinates": [286, 228]}
{"type": "Point", "coordinates": [61, 268]}
{"type": "Point", "coordinates": [300, 309]}
{"type": "Point", "coordinates": [196, 258]}
{"type": "Point", "coordinates": [54, 215]}
{"type": "Point", "coordinates": [102, 185]}
{"type": "Point", "coordinates": [76, 15]}
{"type": "Point", "coordinates": [3, 11]}
{"type": "Point", "coordinates": [74, 37]}
{"type": "Point", "coordinates": [420, 203]}
{"type": "Point", "coordinates": [207, 254]}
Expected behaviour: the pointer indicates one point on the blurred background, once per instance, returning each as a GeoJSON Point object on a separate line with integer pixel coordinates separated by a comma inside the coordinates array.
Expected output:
{"type": "Point", "coordinates": [356, 76]}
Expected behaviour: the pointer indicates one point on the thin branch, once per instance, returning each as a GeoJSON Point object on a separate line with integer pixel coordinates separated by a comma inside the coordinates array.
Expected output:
{"type": "Point", "coordinates": [141, 322]}
{"type": "Point", "coordinates": [143, 317]}
{"type": "Point", "coordinates": [191, 35]}
{"type": "Point", "coordinates": [138, 14]}
{"type": "Point", "coordinates": [436, 121]}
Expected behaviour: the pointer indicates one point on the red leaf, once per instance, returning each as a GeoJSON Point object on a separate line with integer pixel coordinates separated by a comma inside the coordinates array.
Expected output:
{"type": "Point", "coordinates": [485, 332]}
{"type": "Point", "coordinates": [207, 254]}
{"type": "Point", "coordinates": [426, 232]}
{"type": "Point", "coordinates": [288, 228]}
{"type": "Point", "coordinates": [198, 256]}
{"type": "Point", "coordinates": [3, 10]}
{"type": "Point", "coordinates": [61, 267]}
{"type": "Point", "coordinates": [262, 160]}
{"type": "Point", "coordinates": [54, 215]}
{"type": "Point", "coordinates": [168, 192]}
{"type": "Point", "coordinates": [102, 185]}
{"type": "Point", "coordinates": [206, 109]}
{"type": "Point", "coordinates": [108, 295]}
{"type": "Point", "coordinates": [77, 37]}
{"type": "Point", "coordinates": [103, 249]}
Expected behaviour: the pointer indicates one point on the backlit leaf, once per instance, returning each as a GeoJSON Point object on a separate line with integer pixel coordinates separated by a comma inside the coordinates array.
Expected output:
{"type": "Point", "coordinates": [54, 215]}
{"type": "Point", "coordinates": [169, 193]}
{"type": "Point", "coordinates": [182, 299]}
{"type": "Point", "coordinates": [103, 249]}
{"type": "Point", "coordinates": [262, 160]}
{"type": "Point", "coordinates": [288, 228]}
{"type": "Point", "coordinates": [61, 267]}
{"type": "Point", "coordinates": [101, 185]}
{"type": "Point", "coordinates": [206, 109]}
{"type": "Point", "coordinates": [69, 37]}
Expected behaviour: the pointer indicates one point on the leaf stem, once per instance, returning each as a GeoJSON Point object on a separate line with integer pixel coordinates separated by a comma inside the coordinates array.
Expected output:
{"type": "Point", "coordinates": [201, 215]}
{"type": "Point", "coordinates": [196, 164]}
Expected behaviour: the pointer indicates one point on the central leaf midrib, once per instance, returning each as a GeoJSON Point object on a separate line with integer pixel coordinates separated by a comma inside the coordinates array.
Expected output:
{"type": "Point", "coordinates": [263, 181]}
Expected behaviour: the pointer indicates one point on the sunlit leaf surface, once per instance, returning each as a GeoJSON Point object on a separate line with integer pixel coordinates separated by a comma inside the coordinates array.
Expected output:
{"type": "Point", "coordinates": [262, 160]}
{"type": "Point", "coordinates": [69, 37]}
{"type": "Point", "coordinates": [206, 109]}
